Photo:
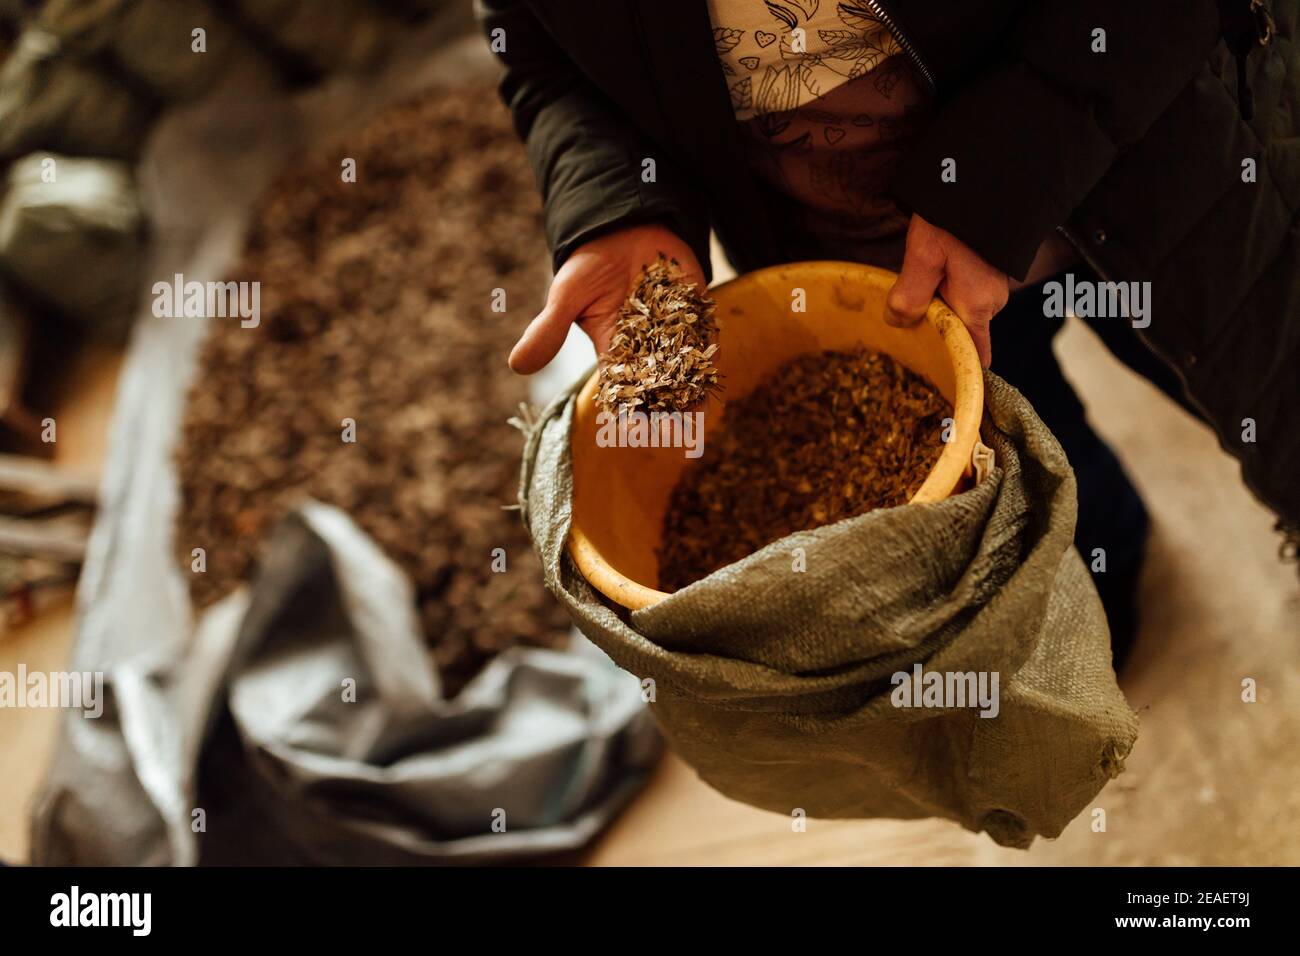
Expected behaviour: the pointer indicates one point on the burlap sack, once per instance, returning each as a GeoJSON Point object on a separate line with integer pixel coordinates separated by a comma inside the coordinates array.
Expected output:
{"type": "Point", "coordinates": [775, 684]}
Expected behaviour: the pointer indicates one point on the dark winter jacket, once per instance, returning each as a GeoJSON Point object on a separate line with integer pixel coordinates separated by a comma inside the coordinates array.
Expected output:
{"type": "Point", "coordinates": [1136, 154]}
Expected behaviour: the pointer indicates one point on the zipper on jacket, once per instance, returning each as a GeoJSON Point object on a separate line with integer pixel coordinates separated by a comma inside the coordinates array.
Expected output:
{"type": "Point", "coordinates": [880, 13]}
{"type": "Point", "coordinates": [1084, 252]}
{"type": "Point", "coordinates": [1247, 27]}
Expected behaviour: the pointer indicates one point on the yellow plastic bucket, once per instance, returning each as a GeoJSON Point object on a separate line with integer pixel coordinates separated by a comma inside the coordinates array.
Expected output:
{"type": "Point", "coordinates": [620, 494]}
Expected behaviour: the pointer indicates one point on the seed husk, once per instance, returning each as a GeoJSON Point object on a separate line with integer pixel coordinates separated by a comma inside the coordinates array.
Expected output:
{"type": "Point", "coordinates": [661, 353]}
{"type": "Point", "coordinates": [827, 436]}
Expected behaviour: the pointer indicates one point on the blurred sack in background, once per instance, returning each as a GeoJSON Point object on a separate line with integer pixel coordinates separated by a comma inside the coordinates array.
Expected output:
{"type": "Point", "coordinates": [318, 700]}
{"type": "Point", "coordinates": [84, 83]}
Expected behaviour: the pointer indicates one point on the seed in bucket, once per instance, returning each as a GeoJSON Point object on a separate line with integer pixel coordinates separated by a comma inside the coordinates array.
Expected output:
{"type": "Point", "coordinates": [827, 436]}
{"type": "Point", "coordinates": [661, 355]}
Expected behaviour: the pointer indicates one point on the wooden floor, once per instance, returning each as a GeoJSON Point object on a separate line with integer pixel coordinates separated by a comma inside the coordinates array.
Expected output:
{"type": "Point", "coordinates": [1213, 779]}
{"type": "Point", "coordinates": [26, 736]}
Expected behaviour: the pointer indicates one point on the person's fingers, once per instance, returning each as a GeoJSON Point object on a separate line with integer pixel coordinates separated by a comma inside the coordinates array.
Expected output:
{"type": "Point", "coordinates": [600, 329]}
{"type": "Point", "coordinates": [547, 332]}
{"type": "Point", "coordinates": [923, 268]}
{"type": "Point", "coordinates": [588, 289]}
{"type": "Point", "coordinates": [540, 341]}
{"type": "Point", "coordinates": [982, 335]}
{"type": "Point", "coordinates": [977, 324]}
{"type": "Point", "coordinates": [976, 292]}
{"type": "Point", "coordinates": [599, 317]}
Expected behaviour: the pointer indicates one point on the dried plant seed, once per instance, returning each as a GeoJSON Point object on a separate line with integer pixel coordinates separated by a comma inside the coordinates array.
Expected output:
{"type": "Point", "coordinates": [375, 308]}
{"type": "Point", "coordinates": [827, 436]}
{"type": "Point", "coordinates": [660, 356]}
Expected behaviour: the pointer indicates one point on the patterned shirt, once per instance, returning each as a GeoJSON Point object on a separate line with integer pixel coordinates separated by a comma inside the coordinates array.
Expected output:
{"type": "Point", "coordinates": [829, 102]}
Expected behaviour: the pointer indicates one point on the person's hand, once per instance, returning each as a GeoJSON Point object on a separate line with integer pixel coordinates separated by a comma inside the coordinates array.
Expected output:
{"type": "Point", "coordinates": [592, 285]}
{"type": "Point", "coordinates": [937, 260]}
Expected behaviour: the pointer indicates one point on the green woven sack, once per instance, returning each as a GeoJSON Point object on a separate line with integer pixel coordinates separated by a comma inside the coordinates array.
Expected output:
{"type": "Point", "coordinates": [779, 687]}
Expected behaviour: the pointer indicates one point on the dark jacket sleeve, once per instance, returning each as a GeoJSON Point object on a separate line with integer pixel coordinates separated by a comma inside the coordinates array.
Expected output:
{"type": "Point", "coordinates": [1034, 133]}
{"type": "Point", "coordinates": [586, 155]}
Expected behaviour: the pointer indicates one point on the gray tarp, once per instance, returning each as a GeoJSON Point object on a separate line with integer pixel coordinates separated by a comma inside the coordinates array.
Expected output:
{"type": "Point", "coordinates": [339, 747]}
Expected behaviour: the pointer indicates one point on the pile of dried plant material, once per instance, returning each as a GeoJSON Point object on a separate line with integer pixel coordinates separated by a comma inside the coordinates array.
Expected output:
{"type": "Point", "coordinates": [377, 307]}
{"type": "Point", "coordinates": [661, 354]}
{"type": "Point", "coordinates": [827, 436]}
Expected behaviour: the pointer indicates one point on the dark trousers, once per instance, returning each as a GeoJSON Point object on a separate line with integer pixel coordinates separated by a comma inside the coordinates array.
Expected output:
{"type": "Point", "coordinates": [1112, 516]}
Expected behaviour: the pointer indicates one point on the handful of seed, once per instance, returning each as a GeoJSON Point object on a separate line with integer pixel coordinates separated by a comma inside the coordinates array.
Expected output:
{"type": "Point", "coordinates": [661, 355]}
{"type": "Point", "coordinates": [829, 435]}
